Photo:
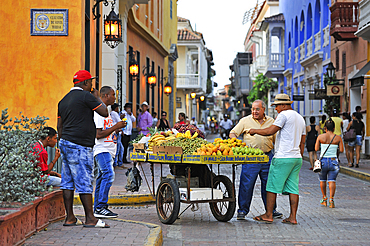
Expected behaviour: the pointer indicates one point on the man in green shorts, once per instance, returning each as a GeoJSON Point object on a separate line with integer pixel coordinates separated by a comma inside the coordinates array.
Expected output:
{"type": "Point", "coordinates": [285, 166]}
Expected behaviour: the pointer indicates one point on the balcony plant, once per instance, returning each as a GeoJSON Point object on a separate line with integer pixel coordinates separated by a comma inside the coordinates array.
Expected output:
{"type": "Point", "coordinates": [331, 102]}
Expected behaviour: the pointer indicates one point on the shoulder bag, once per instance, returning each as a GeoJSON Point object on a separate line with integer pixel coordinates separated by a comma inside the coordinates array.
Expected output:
{"type": "Point", "coordinates": [317, 163]}
{"type": "Point", "coordinates": [350, 135]}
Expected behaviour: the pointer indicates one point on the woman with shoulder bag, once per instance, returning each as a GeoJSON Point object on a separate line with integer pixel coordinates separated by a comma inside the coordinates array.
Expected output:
{"type": "Point", "coordinates": [329, 143]}
{"type": "Point", "coordinates": [346, 121]}
{"type": "Point", "coordinates": [359, 127]}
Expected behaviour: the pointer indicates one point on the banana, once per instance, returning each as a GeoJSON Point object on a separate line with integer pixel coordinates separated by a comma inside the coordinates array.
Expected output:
{"type": "Point", "coordinates": [195, 135]}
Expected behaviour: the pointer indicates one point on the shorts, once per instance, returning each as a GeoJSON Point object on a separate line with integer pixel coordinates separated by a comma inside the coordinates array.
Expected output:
{"type": "Point", "coordinates": [77, 167]}
{"type": "Point", "coordinates": [358, 141]}
{"type": "Point", "coordinates": [310, 145]}
{"type": "Point", "coordinates": [284, 176]}
{"type": "Point", "coordinates": [329, 169]}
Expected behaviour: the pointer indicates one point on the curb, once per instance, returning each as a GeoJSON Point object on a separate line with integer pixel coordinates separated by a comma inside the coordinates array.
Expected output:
{"type": "Point", "coordinates": [349, 171]}
{"type": "Point", "coordinates": [155, 237]}
{"type": "Point", "coordinates": [123, 199]}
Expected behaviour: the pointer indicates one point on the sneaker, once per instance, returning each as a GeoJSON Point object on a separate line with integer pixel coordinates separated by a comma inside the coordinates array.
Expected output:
{"type": "Point", "coordinates": [241, 216]}
{"type": "Point", "coordinates": [277, 215]}
{"type": "Point", "coordinates": [104, 213]}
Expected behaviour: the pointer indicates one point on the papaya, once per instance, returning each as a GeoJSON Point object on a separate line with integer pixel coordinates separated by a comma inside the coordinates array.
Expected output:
{"type": "Point", "coordinates": [214, 153]}
{"type": "Point", "coordinates": [225, 152]}
{"type": "Point", "coordinates": [231, 152]}
{"type": "Point", "coordinates": [219, 152]}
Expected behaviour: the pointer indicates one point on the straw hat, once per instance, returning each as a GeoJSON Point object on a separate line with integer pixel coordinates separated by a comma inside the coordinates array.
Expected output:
{"type": "Point", "coordinates": [282, 99]}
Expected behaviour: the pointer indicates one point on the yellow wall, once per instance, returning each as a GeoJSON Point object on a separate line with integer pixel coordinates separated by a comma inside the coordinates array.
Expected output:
{"type": "Point", "coordinates": [37, 71]}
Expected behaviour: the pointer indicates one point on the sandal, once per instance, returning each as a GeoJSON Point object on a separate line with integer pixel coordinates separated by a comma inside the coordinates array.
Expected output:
{"type": "Point", "coordinates": [324, 201]}
{"type": "Point", "coordinates": [331, 203]}
{"type": "Point", "coordinates": [350, 165]}
{"type": "Point", "coordinates": [357, 165]}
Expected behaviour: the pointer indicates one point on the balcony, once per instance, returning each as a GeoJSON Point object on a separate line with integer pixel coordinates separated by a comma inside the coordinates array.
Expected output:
{"type": "Point", "coordinates": [261, 62]}
{"type": "Point", "coordinates": [326, 31]}
{"type": "Point", "coordinates": [309, 46]}
{"type": "Point", "coordinates": [296, 55]}
{"type": "Point", "coordinates": [275, 65]}
{"type": "Point", "coordinates": [289, 54]}
{"type": "Point", "coordinates": [317, 37]}
{"type": "Point", "coordinates": [344, 20]}
{"type": "Point", "coordinates": [188, 81]}
{"type": "Point", "coordinates": [302, 51]}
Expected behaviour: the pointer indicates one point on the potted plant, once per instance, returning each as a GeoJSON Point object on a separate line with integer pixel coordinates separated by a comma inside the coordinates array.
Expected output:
{"type": "Point", "coordinates": [21, 182]}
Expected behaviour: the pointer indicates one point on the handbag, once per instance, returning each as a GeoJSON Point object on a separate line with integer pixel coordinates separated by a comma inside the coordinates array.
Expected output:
{"type": "Point", "coordinates": [317, 163]}
{"type": "Point", "coordinates": [350, 135]}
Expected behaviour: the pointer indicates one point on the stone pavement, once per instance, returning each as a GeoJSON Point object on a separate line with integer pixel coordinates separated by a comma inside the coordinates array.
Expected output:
{"type": "Point", "coordinates": [343, 225]}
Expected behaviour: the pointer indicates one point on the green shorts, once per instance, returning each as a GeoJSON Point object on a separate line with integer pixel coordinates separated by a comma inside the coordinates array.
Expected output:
{"type": "Point", "coordinates": [284, 176]}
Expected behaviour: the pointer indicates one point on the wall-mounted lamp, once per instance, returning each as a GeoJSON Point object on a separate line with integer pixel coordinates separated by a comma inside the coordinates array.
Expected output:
{"type": "Point", "coordinates": [193, 95]}
{"type": "Point", "coordinates": [152, 78]}
{"type": "Point", "coordinates": [168, 89]}
{"type": "Point", "coordinates": [112, 25]}
{"type": "Point", "coordinates": [202, 98]}
{"type": "Point", "coordinates": [331, 70]}
{"type": "Point", "coordinates": [133, 65]}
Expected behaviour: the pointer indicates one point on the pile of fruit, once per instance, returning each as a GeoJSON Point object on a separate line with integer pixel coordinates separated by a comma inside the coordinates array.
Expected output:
{"type": "Point", "coordinates": [182, 128]}
{"type": "Point", "coordinates": [188, 145]}
{"type": "Point", "coordinates": [231, 146]}
{"type": "Point", "coordinates": [160, 137]}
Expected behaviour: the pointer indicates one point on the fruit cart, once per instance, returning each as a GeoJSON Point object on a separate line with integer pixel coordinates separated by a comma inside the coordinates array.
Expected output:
{"type": "Point", "coordinates": [220, 195]}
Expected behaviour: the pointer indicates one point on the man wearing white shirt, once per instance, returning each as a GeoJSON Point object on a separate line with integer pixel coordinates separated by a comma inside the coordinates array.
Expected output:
{"type": "Point", "coordinates": [118, 160]}
{"type": "Point", "coordinates": [226, 125]}
{"type": "Point", "coordinates": [127, 132]}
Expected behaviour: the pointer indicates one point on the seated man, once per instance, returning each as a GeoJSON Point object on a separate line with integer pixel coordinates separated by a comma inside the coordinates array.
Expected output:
{"type": "Point", "coordinates": [42, 155]}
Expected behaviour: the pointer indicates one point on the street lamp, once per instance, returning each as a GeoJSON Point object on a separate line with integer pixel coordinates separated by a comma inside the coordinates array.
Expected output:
{"type": "Point", "coordinates": [330, 70]}
{"type": "Point", "coordinates": [202, 98]}
{"type": "Point", "coordinates": [167, 89]}
{"type": "Point", "coordinates": [193, 95]}
{"type": "Point", "coordinates": [133, 65]}
{"type": "Point", "coordinates": [152, 79]}
{"type": "Point", "coordinates": [112, 25]}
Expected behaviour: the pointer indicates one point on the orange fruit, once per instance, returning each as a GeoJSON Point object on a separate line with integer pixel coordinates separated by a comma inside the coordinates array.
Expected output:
{"type": "Point", "coordinates": [225, 152]}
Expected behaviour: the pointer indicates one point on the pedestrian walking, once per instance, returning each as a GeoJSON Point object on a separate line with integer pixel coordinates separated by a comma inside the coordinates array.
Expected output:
{"type": "Point", "coordinates": [77, 132]}
{"type": "Point", "coordinates": [250, 172]}
{"type": "Point", "coordinates": [338, 125]}
{"type": "Point", "coordinates": [346, 121]}
{"type": "Point", "coordinates": [322, 124]}
{"type": "Point", "coordinates": [104, 152]}
{"type": "Point", "coordinates": [155, 119]}
{"type": "Point", "coordinates": [329, 143]}
{"type": "Point", "coordinates": [145, 119]}
{"type": "Point", "coordinates": [225, 127]}
{"type": "Point", "coordinates": [312, 133]}
{"type": "Point", "coordinates": [287, 162]}
{"type": "Point", "coordinates": [127, 131]}
{"type": "Point", "coordinates": [359, 127]}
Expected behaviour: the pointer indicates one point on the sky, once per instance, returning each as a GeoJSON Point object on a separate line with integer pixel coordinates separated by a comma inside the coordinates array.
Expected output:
{"type": "Point", "coordinates": [222, 28]}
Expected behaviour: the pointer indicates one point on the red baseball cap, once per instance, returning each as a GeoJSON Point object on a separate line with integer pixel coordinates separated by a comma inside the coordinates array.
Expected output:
{"type": "Point", "coordinates": [81, 76]}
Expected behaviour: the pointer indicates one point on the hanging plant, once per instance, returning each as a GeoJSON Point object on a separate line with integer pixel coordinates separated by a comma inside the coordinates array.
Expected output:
{"type": "Point", "coordinates": [261, 86]}
{"type": "Point", "coordinates": [331, 102]}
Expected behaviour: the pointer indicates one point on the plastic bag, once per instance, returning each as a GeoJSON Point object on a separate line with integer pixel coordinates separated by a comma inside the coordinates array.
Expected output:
{"type": "Point", "coordinates": [134, 179]}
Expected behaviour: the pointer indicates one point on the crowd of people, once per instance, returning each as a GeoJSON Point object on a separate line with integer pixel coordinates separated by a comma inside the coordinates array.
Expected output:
{"type": "Point", "coordinates": [88, 133]}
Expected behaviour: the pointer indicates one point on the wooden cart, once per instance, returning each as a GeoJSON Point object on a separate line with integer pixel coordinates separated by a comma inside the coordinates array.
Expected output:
{"type": "Point", "coordinates": [221, 195]}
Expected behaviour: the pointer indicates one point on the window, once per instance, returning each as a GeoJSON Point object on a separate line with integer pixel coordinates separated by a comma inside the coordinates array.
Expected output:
{"type": "Point", "coordinates": [138, 82]}
{"type": "Point", "coordinates": [344, 64]}
{"type": "Point", "coordinates": [171, 9]}
{"type": "Point", "coordinates": [337, 60]}
{"type": "Point", "coordinates": [87, 35]}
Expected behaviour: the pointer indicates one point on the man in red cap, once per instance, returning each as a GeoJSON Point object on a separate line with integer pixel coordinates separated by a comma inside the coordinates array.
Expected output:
{"type": "Point", "coordinates": [77, 132]}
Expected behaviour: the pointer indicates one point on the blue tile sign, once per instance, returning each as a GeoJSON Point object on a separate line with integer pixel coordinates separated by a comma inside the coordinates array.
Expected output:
{"type": "Point", "coordinates": [49, 22]}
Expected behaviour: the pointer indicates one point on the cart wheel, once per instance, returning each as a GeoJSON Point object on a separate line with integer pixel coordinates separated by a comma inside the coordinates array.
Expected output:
{"type": "Point", "coordinates": [168, 201]}
{"type": "Point", "coordinates": [223, 210]}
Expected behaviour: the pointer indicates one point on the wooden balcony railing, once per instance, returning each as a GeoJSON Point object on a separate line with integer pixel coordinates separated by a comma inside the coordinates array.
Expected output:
{"type": "Point", "coordinates": [344, 20]}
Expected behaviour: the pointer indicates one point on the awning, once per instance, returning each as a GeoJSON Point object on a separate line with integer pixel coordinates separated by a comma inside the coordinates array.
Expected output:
{"type": "Point", "coordinates": [358, 78]}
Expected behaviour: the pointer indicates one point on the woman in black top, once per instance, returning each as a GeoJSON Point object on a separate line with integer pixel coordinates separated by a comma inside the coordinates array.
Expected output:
{"type": "Point", "coordinates": [312, 133]}
{"type": "Point", "coordinates": [359, 127]}
{"type": "Point", "coordinates": [163, 123]}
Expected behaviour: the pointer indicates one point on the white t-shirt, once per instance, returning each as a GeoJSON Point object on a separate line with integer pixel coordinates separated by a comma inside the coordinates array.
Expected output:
{"type": "Point", "coordinates": [104, 144]}
{"type": "Point", "coordinates": [345, 125]}
{"type": "Point", "coordinates": [288, 139]}
{"type": "Point", "coordinates": [228, 124]}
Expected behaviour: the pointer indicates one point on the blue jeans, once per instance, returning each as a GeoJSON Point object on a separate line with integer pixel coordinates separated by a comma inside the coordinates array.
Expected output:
{"type": "Point", "coordinates": [54, 181]}
{"type": "Point", "coordinates": [118, 159]}
{"type": "Point", "coordinates": [329, 169]}
{"type": "Point", "coordinates": [77, 167]}
{"type": "Point", "coordinates": [104, 180]}
{"type": "Point", "coordinates": [248, 178]}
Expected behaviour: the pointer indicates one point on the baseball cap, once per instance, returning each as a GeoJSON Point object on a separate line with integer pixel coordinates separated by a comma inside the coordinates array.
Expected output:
{"type": "Point", "coordinates": [145, 103]}
{"type": "Point", "coordinates": [193, 117]}
{"type": "Point", "coordinates": [81, 76]}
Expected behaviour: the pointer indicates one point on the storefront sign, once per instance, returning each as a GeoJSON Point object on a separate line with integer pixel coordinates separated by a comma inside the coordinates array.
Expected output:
{"type": "Point", "coordinates": [319, 94]}
{"type": "Point", "coordinates": [335, 90]}
{"type": "Point", "coordinates": [298, 97]}
{"type": "Point", "coordinates": [49, 22]}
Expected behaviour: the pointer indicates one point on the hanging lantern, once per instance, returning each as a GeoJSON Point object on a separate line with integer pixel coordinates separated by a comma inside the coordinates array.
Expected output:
{"type": "Point", "coordinates": [193, 95]}
{"type": "Point", "coordinates": [167, 89]}
{"type": "Point", "coordinates": [112, 29]}
{"type": "Point", "coordinates": [202, 98]}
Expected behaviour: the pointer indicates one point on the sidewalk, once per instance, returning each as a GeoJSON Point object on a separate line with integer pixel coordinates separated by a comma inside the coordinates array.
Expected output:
{"type": "Point", "coordinates": [363, 172]}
